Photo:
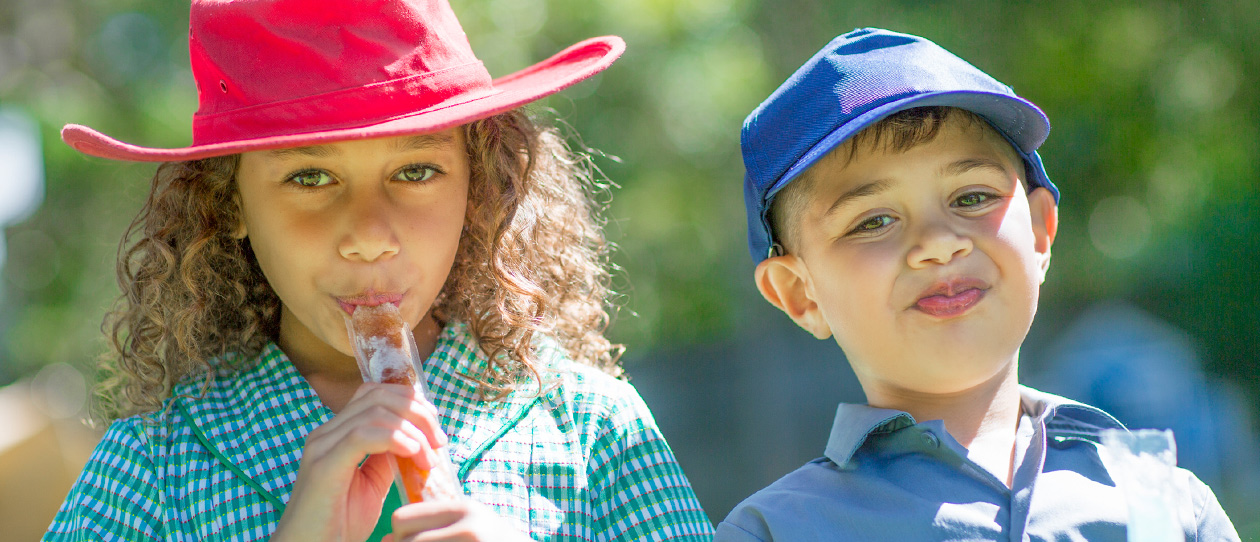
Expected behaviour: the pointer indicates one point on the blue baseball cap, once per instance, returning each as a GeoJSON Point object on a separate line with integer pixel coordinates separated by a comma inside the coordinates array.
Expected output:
{"type": "Point", "coordinates": [855, 81]}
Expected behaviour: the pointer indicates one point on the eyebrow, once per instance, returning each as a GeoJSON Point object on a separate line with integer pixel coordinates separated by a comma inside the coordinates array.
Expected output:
{"type": "Point", "coordinates": [861, 191]}
{"type": "Point", "coordinates": [969, 164]}
{"type": "Point", "coordinates": [416, 142]}
{"type": "Point", "coordinates": [423, 141]}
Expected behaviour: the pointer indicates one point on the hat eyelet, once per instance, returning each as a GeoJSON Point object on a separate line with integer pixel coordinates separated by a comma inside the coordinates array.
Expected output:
{"type": "Point", "coordinates": [223, 86]}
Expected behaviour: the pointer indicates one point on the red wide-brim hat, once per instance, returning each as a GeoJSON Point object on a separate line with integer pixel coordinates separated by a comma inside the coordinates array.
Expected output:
{"type": "Point", "coordinates": [287, 73]}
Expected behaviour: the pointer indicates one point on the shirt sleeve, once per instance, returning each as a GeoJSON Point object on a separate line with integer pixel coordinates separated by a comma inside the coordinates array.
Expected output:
{"type": "Point", "coordinates": [116, 496]}
{"type": "Point", "coordinates": [730, 532]}
{"type": "Point", "coordinates": [642, 492]}
{"type": "Point", "coordinates": [1212, 523]}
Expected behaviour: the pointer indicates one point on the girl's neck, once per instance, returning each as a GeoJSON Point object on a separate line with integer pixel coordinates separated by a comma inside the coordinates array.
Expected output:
{"type": "Point", "coordinates": [984, 419]}
{"type": "Point", "coordinates": [333, 375]}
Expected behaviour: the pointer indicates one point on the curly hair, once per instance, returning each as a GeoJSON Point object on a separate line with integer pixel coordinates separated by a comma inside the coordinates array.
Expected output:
{"type": "Point", "coordinates": [532, 261]}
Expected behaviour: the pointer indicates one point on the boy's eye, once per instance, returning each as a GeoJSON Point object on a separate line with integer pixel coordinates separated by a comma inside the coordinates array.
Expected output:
{"type": "Point", "coordinates": [311, 178]}
{"type": "Point", "coordinates": [873, 224]}
{"type": "Point", "coordinates": [416, 174]}
{"type": "Point", "coordinates": [973, 199]}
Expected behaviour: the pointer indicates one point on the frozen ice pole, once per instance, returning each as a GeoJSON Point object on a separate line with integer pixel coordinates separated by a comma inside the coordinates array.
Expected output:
{"type": "Point", "coordinates": [1144, 461]}
{"type": "Point", "coordinates": [386, 353]}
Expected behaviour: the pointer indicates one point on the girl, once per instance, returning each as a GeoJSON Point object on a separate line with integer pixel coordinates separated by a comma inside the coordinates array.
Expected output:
{"type": "Point", "coordinates": [351, 154]}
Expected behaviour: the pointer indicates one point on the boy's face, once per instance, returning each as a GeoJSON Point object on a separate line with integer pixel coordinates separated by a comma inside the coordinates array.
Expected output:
{"type": "Point", "coordinates": [359, 222]}
{"type": "Point", "coordinates": [925, 265]}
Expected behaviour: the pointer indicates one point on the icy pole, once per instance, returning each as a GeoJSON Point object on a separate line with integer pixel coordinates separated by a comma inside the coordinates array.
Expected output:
{"type": "Point", "coordinates": [386, 353]}
{"type": "Point", "coordinates": [1143, 462]}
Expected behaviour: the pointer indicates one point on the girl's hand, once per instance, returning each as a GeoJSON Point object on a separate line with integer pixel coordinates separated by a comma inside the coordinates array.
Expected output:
{"type": "Point", "coordinates": [463, 521]}
{"type": "Point", "coordinates": [336, 499]}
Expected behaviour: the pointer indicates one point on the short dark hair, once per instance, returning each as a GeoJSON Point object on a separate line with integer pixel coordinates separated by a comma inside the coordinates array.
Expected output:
{"type": "Point", "coordinates": [896, 133]}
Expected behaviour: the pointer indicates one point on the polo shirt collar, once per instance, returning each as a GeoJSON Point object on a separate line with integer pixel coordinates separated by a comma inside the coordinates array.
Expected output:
{"type": "Point", "coordinates": [257, 417]}
{"type": "Point", "coordinates": [1063, 419]}
{"type": "Point", "coordinates": [855, 423]}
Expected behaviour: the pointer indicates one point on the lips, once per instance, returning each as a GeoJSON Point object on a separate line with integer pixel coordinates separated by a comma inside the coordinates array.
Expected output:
{"type": "Point", "coordinates": [951, 298]}
{"type": "Point", "coordinates": [369, 298]}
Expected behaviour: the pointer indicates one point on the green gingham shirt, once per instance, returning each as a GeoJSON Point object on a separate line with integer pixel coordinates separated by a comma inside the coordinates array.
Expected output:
{"type": "Point", "coordinates": [583, 460]}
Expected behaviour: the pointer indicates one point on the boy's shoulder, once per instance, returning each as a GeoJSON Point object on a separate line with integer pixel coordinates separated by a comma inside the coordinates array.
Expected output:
{"type": "Point", "coordinates": [799, 506]}
{"type": "Point", "coordinates": [886, 477]}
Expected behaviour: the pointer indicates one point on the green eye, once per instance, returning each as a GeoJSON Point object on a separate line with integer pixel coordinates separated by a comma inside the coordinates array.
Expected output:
{"type": "Point", "coordinates": [311, 178]}
{"type": "Point", "coordinates": [873, 223]}
{"type": "Point", "coordinates": [416, 174]}
{"type": "Point", "coordinates": [972, 199]}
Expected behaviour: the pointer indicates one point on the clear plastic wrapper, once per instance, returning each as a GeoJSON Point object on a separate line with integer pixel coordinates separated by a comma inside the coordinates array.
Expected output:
{"type": "Point", "coordinates": [1143, 468]}
{"type": "Point", "coordinates": [386, 353]}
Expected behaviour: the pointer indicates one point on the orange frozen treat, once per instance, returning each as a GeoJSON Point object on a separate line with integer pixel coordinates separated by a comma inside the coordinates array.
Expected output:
{"type": "Point", "coordinates": [386, 356]}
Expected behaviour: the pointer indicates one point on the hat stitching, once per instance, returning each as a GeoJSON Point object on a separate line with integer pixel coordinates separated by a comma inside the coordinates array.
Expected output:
{"type": "Point", "coordinates": [332, 94]}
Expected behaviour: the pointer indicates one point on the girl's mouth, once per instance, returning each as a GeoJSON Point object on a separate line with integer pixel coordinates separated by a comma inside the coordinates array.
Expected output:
{"type": "Point", "coordinates": [368, 298]}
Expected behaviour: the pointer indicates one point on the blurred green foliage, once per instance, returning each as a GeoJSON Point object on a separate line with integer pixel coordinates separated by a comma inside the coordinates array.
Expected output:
{"type": "Point", "coordinates": [1155, 107]}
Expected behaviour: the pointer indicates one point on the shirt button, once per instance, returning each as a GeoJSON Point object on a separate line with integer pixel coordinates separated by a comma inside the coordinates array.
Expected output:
{"type": "Point", "coordinates": [930, 439]}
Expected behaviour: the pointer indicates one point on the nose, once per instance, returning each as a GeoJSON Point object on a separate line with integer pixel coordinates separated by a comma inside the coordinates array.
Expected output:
{"type": "Point", "coordinates": [368, 233]}
{"type": "Point", "coordinates": [938, 244]}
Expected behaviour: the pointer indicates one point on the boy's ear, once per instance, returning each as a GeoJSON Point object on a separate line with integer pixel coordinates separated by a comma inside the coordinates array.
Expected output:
{"type": "Point", "coordinates": [1045, 224]}
{"type": "Point", "coordinates": [784, 282]}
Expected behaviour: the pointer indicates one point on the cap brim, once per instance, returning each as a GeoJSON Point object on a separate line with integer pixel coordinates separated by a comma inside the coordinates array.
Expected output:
{"type": "Point", "coordinates": [1020, 121]}
{"type": "Point", "coordinates": [570, 66]}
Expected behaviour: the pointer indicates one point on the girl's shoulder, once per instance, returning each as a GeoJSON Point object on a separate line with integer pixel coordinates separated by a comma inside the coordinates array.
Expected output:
{"type": "Point", "coordinates": [589, 393]}
{"type": "Point", "coordinates": [459, 353]}
{"type": "Point", "coordinates": [230, 395]}
{"type": "Point", "coordinates": [570, 390]}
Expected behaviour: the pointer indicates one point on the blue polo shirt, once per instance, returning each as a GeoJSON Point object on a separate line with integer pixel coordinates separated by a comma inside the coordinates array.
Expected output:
{"type": "Point", "coordinates": [885, 477]}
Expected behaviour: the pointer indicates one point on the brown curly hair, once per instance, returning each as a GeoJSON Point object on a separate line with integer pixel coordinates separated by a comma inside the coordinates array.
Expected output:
{"type": "Point", "coordinates": [532, 261]}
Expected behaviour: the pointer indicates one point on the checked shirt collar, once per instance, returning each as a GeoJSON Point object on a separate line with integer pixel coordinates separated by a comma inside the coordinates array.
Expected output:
{"type": "Point", "coordinates": [258, 418]}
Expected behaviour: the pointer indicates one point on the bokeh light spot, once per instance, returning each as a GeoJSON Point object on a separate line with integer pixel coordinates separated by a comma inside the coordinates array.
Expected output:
{"type": "Point", "coordinates": [1119, 226]}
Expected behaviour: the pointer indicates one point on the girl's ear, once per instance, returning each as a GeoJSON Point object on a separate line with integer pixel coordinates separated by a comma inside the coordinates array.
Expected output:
{"type": "Point", "coordinates": [1045, 224]}
{"type": "Point", "coordinates": [784, 282]}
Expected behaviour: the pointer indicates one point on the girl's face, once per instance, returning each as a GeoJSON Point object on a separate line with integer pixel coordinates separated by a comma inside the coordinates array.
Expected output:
{"type": "Point", "coordinates": [354, 223]}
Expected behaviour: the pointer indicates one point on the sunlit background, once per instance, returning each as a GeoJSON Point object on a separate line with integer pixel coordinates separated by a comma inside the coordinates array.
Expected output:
{"type": "Point", "coordinates": [1150, 310]}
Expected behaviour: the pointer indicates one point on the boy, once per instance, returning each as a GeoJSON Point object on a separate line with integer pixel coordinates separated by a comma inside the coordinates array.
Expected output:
{"type": "Point", "coordinates": [896, 201]}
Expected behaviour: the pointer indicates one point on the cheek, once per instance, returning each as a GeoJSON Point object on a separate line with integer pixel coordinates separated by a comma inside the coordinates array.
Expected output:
{"type": "Point", "coordinates": [1014, 251]}
{"type": "Point", "coordinates": [856, 283]}
{"type": "Point", "coordinates": [281, 244]}
{"type": "Point", "coordinates": [437, 228]}
{"type": "Point", "coordinates": [1013, 233]}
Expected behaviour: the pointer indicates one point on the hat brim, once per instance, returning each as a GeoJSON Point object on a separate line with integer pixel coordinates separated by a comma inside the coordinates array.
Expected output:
{"type": "Point", "coordinates": [564, 69]}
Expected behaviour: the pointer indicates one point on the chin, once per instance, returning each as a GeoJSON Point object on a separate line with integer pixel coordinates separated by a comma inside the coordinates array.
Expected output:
{"type": "Point", "coordinates": [959, 375]}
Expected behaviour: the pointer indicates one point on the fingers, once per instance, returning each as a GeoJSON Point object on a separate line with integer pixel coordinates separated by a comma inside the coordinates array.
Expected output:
{"type": "Point", "coordinates": [380, 418]}
{"type": "Point", "coordinates": [424, 516]}
{"type": "Point", "coordinates": [448, 521]}
{"type": "Point", "coordinates": [406, 402]}
{"type": "Point", "coordinates": [437, 520]}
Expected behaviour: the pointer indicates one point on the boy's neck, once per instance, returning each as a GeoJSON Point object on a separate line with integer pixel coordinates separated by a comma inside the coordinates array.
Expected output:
{"type": "Point", "coordinates": [984, 419]}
